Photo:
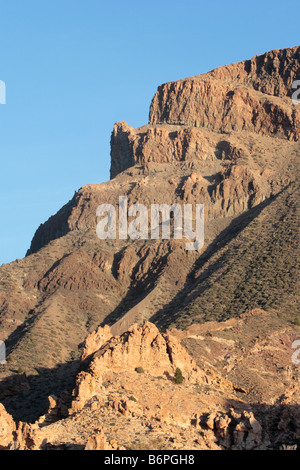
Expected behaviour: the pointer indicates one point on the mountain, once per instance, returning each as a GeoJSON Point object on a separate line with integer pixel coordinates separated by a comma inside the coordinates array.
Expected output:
{"type": "Point", "coordinates": [227, 139]}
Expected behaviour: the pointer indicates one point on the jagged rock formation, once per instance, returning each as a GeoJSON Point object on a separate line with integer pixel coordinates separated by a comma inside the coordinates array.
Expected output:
{"type": "Point", "coordinates": [140, 347]}
{"type": "Point", "coordinates": [7, 428]}
{"type": "Point", "coordinates": [204, 412]}
{"type": "Point", "coordinates": [248, 96]}
{"type": "Point", "coordinates": [235, 431]}
{"type": "Point", "coordinates": [99, 442]}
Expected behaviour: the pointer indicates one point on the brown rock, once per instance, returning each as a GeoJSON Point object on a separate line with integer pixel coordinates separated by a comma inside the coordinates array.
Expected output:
{"type": "Point", "coordinates": [233, 99]}
{"type": "Point", "coordinates": [83, 392]}
{"type": "Point", "coordinates": [25, 437]}
{"type": "Point", "coordinates": [99, 442]}
{"type": "Point", "coordinates": [95, 340]}
{"type": "Point", "coordinates": [143, 346]}
{"type": "Point", "coordinates": [7, 428]}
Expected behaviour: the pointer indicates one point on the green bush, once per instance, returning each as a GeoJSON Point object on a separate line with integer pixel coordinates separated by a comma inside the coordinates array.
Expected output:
{"type": "Point", "coordinates": [139, 370]}
{"type": "Point", "coordinates": [178, 376]}
{"type": "Point", "coordinates": [133, 399]}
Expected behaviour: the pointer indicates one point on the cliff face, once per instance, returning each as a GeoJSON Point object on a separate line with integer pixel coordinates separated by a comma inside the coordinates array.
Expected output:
{"type": "Point", "coordinates": [271, 73]}
{"type": "Point", "coordinates": [237, 115]}
{"type": "Point", "coordinates": [247, 97]}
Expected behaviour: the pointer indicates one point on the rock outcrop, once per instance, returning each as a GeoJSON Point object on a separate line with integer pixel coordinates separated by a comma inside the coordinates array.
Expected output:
{"type": "Point", "coordinates": [127, 384]}
{"type": "Point", "coordinates": [95, 341]}
{"type": "Point", "coordinates": [99, 442]}
{"type": "Point", "coordinates": [140, 347]}
{"type": "Point", "coordinates": [234, 430]}
{"type": "Point", "coordinates": [7, 428]}
{"type": "Point", "coordinates": [251, 96]}
{"type": "Point", "coordinates": [144, 346]}
{"type": "Point", "coordinates": [16, 436]}
{"type": "Point", "coordinates": [248, 96]}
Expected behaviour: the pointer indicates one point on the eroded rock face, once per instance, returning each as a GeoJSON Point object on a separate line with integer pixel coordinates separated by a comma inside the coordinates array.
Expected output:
{"type": "Point", "coordinates": [247, 96]}
{"type": "Point", "coordinates": [25, 437]}
{"type": "Point", "coordinates": [140, 347]}
{"type": "Point", "coordinates": [7, 428]}
{"type": "Point", "coordinates": [271, 73]}
{"type": "Point", "coordinates": [234, 430]}
{"type": "Point", "coordinates": [223, 108]}
{"type": "Point", "coordinates": [16, 436]}
{"type": "Point", "coordinates": [144, 346]}
{"type": "Point", "coordinates": [239, 115]}
{"type": "Point", "coordinates": [158, 144]}
{"type": "Point", "coordinates": [95, 340]}
{"type": "Point", "coordinates": [204, 117]}
{"type": "Point", "coordinates": [99, 442]}
{"type": "Point", "coordinates": [57, 409]}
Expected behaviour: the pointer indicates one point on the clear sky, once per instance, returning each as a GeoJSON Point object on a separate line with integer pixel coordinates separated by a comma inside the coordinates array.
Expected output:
{"type": "Point", "coordinates": [73, 68]}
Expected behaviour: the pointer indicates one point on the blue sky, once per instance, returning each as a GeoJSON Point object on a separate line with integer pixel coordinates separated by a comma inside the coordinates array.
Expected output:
{"type": "Point", "coordinates": [72, 69]}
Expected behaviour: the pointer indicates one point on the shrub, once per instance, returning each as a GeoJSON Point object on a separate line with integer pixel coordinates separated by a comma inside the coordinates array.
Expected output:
{"type": "Point", "coordinates": [178, 376]}
{"type": "Point", "coordinates": [133, 399]}
{"type": "Point", "coordinates": [139, 370]}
